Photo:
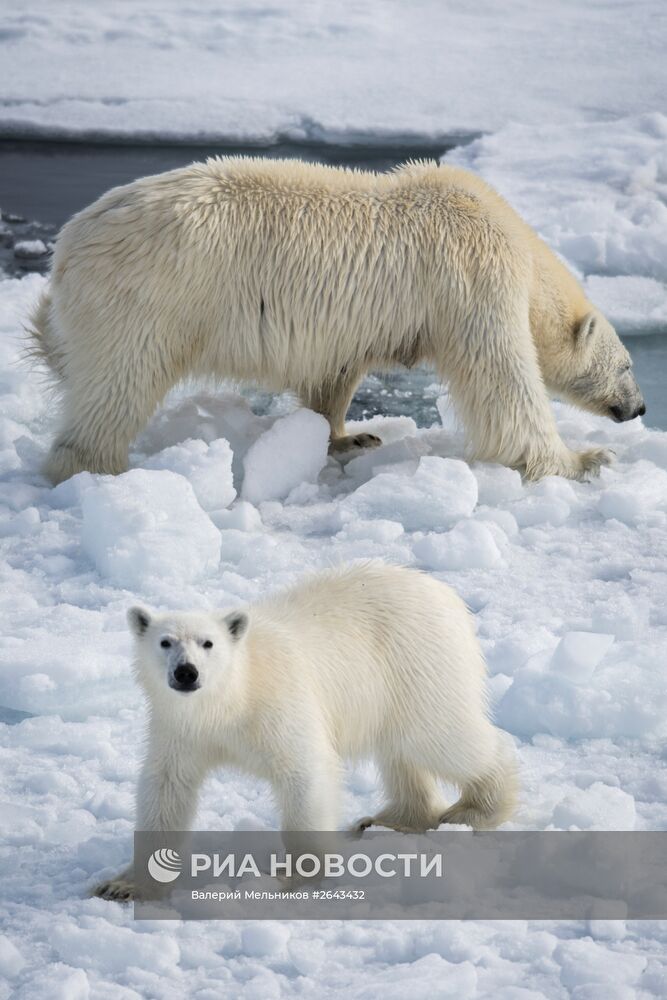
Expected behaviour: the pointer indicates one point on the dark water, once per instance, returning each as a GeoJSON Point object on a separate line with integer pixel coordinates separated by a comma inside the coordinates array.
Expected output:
{"type": "Point", "coordinates": [43, 183]}
{"type": "Point", "coordinates": [50, 181]}
{"type": "Point", "coordinates": [414, 393]}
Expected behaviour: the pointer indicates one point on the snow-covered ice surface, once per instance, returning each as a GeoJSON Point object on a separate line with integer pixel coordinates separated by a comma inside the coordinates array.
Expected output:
{"type": "Point", "coordinates": [568, 587]}
{"type": "Point", "coordinates": [596, 192]}
{"type": "Point", "coordinates": [290, 454]}
{"type": "Point", "coordinates": [567, 581]}
{"type": "Point", "coordinates": [571, 96]}
{"type": "Point", "coordinates": [314, 69]}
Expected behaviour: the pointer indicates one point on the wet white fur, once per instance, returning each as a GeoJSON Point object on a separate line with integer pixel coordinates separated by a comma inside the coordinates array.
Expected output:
{"type": "Point", "coordinates": [305, 277]}
{"type": "Point", "coordinates": [370, 661]}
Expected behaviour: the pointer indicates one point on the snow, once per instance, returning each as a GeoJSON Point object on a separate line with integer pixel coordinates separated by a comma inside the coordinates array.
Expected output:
{"type": "Point", "coordinates": [566, 580]}
{"type": "Point", "coordinates": [581, 152]}
{"type": "Point", "coordinates": [243, 516]}
{"type": "Point", "coordinates": [11, 959]}
{"type": "Point", "coordinates": [64, 983]}
{"type": "Point", "coordinates": [595, 191]}
{"type": "Point", "coordinates": [264, 939]}
{"type": "Point", "coordinates": [147, 525]}
{"type": "Point", "coordinates": [160, 67]}
{"type": "Point", "coordinates": [437, 494]}
{"type": "Point", "coordinates": [632, 502]}
{"type": "Point", "coordinates": [567, 585]}
{"type": "Point", "coordinates": [30, 248]}
{"type": "Point", "coordinates": [594, 807]}
{"type": "Point", "coordinates": [206, 466]}
{"type": "Point", "coordinates": [578, 654]}
{"type": "Point", "coordinates": [634, 303]}
{"type": "Point", "coordinates": [469, 545]}
{"type": "Point", "coordinates": [293, 451]}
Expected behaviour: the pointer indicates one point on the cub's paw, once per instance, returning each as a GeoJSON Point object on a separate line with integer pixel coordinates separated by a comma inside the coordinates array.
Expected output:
{"type": "Point", "coordinates": [362, 824]}
{"type": "Point", "coordinates": [396, 822]}
{"type": "Point", "coordinates": [353, 442]}
{"type": "Point", "coordinates": [121, 889]}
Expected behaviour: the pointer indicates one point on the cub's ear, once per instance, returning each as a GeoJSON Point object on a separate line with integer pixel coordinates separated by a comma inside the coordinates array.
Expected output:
{"type": "Point", "coordinates": [584, 333]}
{"type": "Point", "coordinates": [237, 623]}
{"type": "Point", "coordinates": [138, 619]}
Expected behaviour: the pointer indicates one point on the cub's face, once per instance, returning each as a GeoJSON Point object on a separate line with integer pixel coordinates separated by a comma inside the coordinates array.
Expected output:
{"type": "Point", "coordinates": [185, 653]}
{"type": "Point", "coordinates": [601, 380]}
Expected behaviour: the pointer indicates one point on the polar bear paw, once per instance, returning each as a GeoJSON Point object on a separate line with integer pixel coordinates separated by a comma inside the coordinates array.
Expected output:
{"type": "Point", "coordinates": [581, 465]}
{"type": "Point", "coordinates": [398, 822]}
{"type": "Point", "coordinates": [121, 889]}
{"type": "Point", "coordinates": [354, 442]}
{"type": "Point", "coordinates": [362, 824]}
{"type": "Point", "coordinates": [388, 823]}
{"type": "Point", "coordinates": [590, 462]}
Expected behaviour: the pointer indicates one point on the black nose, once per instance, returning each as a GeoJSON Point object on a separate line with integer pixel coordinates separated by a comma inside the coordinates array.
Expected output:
{"type": "Point", "coordinates": [621, 415]}
{"type": "Point", "coordinates": [186, 675]}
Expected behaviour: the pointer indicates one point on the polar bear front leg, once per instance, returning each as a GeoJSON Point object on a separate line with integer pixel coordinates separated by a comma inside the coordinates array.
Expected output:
{"type": "Point", "coordinates": [167, 796]}
{"type": "Point", "coordinates": [332, 399]}
{"type": "Point", "coordinates": [308, 797]}
{"type": "Point", "coordinates": [306, 779]}
{"type": "Point", "coordinates": [500, 395]}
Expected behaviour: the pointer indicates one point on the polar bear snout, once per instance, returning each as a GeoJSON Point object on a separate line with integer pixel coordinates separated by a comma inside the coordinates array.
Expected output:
{"type": "Point", "coordinates": [621, 413]}
{"type": "Point", "coordinates": [185, 677]}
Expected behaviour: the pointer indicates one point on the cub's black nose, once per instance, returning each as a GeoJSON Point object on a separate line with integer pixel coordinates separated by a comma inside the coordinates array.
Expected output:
{"type": "Point", "coordinates": [641, 411]}
{"type": "Point", "coordinates": [186, 675]}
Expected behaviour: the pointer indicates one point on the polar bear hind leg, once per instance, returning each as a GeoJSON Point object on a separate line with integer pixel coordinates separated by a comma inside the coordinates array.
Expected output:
{"type": "Point", "coordinates": [107, 400]}
{"type": "Point", "coordinates": [415, 803]}
{"type": "Point", "coordinates": [488, 796]}
{"type": "Point", "coordinates": [478, 760]}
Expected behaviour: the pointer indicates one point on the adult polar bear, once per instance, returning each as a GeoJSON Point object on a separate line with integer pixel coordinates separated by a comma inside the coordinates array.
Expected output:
{"type": "Point", "coordinates": [305, 277]}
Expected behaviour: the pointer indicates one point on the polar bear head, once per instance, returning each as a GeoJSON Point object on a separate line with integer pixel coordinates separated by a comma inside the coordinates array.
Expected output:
{"type": "Point", "coordinates": [183, 653]}
{"type": "Point", "coordinates": [594, 372]}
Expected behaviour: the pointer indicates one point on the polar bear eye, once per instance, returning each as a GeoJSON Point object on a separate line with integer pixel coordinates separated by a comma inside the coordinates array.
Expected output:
{"type": "Point", "coordinates": [165, 644]}
{"type": "Point", "coordinates": [208, 644]}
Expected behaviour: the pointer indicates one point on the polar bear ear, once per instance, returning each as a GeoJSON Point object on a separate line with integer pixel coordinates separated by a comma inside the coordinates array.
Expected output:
{"type": "Point", "coordinates": [138, 619]}
{"type": "Point", "coordinates": [237, 623]}
{"type": "Point", "coordinates": [586, 330]}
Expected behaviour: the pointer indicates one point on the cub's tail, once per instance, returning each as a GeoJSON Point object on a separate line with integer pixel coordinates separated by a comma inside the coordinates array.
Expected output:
{"type": "Point", "coordinates": [45, 345]}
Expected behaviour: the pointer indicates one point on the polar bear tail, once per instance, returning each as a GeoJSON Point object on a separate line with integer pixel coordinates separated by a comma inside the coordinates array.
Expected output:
{"type": "Point", "coordinates": [45, 345]}
{"type": "Point", "coordinates": [491, 799]}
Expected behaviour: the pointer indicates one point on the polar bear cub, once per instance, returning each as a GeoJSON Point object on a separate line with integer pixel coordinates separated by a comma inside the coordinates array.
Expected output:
{"type": "Point", "coordinates": [369, 661]}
